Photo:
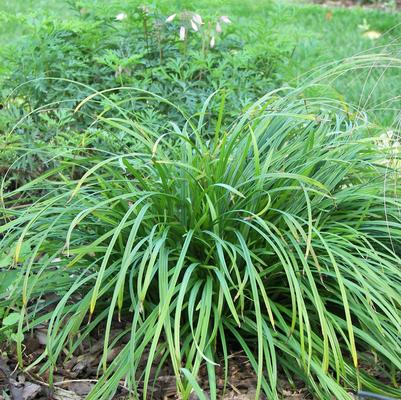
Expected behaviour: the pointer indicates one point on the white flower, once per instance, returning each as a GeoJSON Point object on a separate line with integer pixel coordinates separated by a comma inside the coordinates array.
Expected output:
{"type": "Point", "coordinates": [225, 19]}
{"type": "Point", "coordinates": [198, 19]}
{"type": "Point", "coordinates": [194, 26]}
{"type": "Point", "coordinates": [182, 33]}
{"type": "Point", "coordinates": [121, 16]}
{"type": "Point", "coordinates": [212, 42]}
{"type": "Point", "coordinates": [218, 27]}
{"type": "Point", "coordinates": [171, 18]}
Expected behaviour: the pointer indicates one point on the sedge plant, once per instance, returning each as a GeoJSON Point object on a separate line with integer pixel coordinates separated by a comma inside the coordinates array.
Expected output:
{"type": "Point", "coordinates": [279, 235]}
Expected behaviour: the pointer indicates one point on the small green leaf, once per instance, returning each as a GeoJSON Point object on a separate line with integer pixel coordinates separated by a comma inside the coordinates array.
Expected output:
{"type": "Point", "coordinates": [11, 319]}
{"type": "Point", "coordinates": [17, 337]}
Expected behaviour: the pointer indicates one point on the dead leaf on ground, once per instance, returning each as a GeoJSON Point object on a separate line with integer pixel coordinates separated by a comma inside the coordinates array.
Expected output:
{"type": "Point", "coordinates": [30, 391]}
{"type": "Point", "coordinates": [81, 388]}
{"type": "Point", "coordinates": [81, 363]}
{"type": "Point", "coordinates": [329, 15]}
{"type": "Point", "coordinates": [372, 35]}
{"type": "Point", "coordinates": [63, 394]}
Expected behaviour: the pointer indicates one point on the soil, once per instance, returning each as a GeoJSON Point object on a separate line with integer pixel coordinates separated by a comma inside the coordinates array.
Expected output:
{"type": "Point", "coordinates": [352, 3]}
{"type": "Point", "coordinates": [74, 378]}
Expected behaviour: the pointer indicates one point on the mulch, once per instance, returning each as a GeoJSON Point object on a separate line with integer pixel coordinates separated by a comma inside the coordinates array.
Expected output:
{"type": "Point", "coordinates": [381, 5]}
{"type": "Point", "coordinates": [75, 377]}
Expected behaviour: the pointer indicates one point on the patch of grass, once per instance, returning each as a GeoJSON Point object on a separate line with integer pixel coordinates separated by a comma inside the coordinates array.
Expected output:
{"type": "Point", "coordinates": [328, 35]}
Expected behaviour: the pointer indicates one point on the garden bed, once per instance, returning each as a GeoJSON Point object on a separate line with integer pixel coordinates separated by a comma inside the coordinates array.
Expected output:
{"type": "Point", "coordinates": [384, 5]}
{"type": "Point", "coordinates": [74, 378]}
{"type": "Point", "coordinates": [163, 243]}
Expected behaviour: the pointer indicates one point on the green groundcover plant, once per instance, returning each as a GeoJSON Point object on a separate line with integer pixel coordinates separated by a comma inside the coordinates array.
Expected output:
{"type": "Point", "coordinates": [279, 234]}
{"type": "Point", "coordinates": [183, 57]}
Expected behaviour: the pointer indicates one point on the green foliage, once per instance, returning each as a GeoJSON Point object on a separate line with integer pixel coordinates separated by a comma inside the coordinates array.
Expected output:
{"type": "Point", "coordinates": [326, 36]}
{"type": "Point", "coordinates": [136, 48]}
{"type": "Point", "coordinates": [277, 236]}
{"type": "Point", "coordinates": [138, 183]}
{"type": "Point", "coordinates": [9, 324]}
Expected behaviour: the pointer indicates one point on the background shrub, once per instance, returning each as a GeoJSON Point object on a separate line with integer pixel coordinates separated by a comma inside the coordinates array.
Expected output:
{"type": "Point", "coordinates": [101, 51]}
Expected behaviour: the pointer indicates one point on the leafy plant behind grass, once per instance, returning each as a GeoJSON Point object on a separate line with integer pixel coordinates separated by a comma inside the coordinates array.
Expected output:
{"type": "Point", "coordinates": [138, 47]}
{"type": "Point", "coordinates": [280, 236]}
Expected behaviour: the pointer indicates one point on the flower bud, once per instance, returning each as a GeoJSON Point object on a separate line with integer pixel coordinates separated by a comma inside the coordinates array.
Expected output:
{"type": "Point", "coordinates": [225, 19]}
{"type": "Point", "coordinates": [198, 19]}
{"type": "Point", "coordinates": [212, 42]}
{"type": "Point", "coordinates": [182, 33]}
{"type": "Point", "coordinates": [121, 16]}
{"type": "Point", "coordinates": [194, 26]}
{"type": "Point", "coordinates": [171, 18]}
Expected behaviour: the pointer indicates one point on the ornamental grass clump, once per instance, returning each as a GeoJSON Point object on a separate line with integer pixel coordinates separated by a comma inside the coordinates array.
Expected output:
{"type": "Point", "coordinates": [280, 236]}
